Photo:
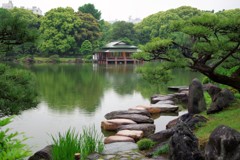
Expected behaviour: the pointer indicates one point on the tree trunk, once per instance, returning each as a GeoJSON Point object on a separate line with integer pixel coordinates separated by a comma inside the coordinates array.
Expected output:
{"type": "Point", "coordinates": [233, 81]}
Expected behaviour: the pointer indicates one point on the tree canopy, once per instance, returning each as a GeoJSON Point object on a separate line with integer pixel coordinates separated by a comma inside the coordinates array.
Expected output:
{"type": "Point", "coordinates": [17, 26]}
{"type": "Point", "coordinates": [211, 46]}
{"type": "Point", "coordinates": [90, 8]}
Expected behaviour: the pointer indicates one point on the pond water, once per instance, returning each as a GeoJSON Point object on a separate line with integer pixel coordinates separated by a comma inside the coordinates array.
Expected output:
{"type": "Point", "coordinates": [77, 96]}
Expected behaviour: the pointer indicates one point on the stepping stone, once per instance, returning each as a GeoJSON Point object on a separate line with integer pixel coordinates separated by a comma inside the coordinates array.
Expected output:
{"type": "Point", "coordinates": [177, 88]}
{"type": "Point", "coordinates": [164, 102]}
{"type": "Point", "coordinates": [160, 108]}
{"type": "Point", "coordinates": [135, 134]}
{"type": "Point", "coordinates": [147, 128]}
{"type": "Point", "coordinates": [114, 148]}
{"type": "Point", "coordinates": [114, 113]}
{"type": "Point", "coordinates": [138, 118]}
{"type": "Point", "coordinates": [141, 108]}
{"type": "Point", "coordinates": [161, 98]}
{"type": "Point", "coordinates": [116, 138]}
{"type": "Point", "coordinates": [114, 124]}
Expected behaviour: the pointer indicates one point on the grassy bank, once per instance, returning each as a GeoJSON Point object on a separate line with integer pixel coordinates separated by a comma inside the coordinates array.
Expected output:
{"type": "Point", "coordinates": [229, 117]}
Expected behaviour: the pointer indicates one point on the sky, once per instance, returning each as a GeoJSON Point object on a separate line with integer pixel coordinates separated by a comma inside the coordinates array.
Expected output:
{"type": "Point", "coordinates": [123, 9]}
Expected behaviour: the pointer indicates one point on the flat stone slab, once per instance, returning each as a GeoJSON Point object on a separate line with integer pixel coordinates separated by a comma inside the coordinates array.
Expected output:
{"type": "Point", "coordinates": [164, 102]}
{"type": "Point", "coordinates": [116, 147]}
{"type": "Point", "coordinates": [147, 128]}
{"type": "Point", "coordinates": [138, 118]}
{"type": "Point", "coordinates": [135, 134]}
{"type": "Point", "coordinates": [141, 108]}
{"type": "Point", "coordinates": [112, 139]}
{"type": "Point", "coordinates": [161, 98]}
{"type": "Point", "coordinates": [114, 124]}
{"type": "Point", "coordinates": [159, 108]}
{"type": "Point", "coordinates": [127, 112]}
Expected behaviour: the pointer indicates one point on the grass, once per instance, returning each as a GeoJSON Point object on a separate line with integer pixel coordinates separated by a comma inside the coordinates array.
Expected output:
{"type": "Point", "coordinates": [61, 60]}
{"type": "Point", "coordinates": [66, 145]}
{"type": "Point", "coordinates": [229, 117]}
{"type": "Point", "coordinates": [162, 150]}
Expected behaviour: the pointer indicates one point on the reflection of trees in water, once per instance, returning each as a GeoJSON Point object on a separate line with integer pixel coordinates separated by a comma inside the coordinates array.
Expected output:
{"type": "Point", "coordinates": [66, 87]}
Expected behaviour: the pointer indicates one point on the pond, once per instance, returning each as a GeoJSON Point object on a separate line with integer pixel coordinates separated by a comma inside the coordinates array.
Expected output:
{"type": "Point", "coordinates": [79, 95]}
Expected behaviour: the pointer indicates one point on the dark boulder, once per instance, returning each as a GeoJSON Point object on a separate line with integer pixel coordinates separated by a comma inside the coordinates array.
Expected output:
{"type": "Point", "coordinates": [44, 154]}
{"type": "Point", "coordinates": [162, 136]}
{"type": "Point", "coordinates": [184, 145]}
{"type": "Point", "coordinates": [196, 101]}
{"type": "Point", "coordinates": [191, 120]}
{"type": "Point", "coordinates": [224, 144]}
{"type": "Point", "coordinates": [212, 90]}
{"type": "Point", "coordinates": [220, 101]}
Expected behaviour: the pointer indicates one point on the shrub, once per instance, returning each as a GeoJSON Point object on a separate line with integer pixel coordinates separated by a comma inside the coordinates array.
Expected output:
{"type": "Point", "coordinates": [66, 145]}
{"type": "Point", "coordinates": [145, 144]}
{"type": "Point", "coordinates": [17, 90]}
{"type": "Point", "coordinates": [54, 58]}
{"type": "Point", "coordinates": [162, 150]}
{"type": "Point", "coordinates": [10, 146]}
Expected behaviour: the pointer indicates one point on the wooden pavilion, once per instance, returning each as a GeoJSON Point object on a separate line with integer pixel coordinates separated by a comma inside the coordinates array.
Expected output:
{"type": "Point", "coordinates": [116, 53]}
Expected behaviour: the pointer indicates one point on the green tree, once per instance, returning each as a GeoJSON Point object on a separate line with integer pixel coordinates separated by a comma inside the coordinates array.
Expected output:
{"type": "Point", "coordinates": [86, 48]}
{"type": "Point", "coordinates": [89, 29]}
{"type": "Point", "coordinates": [90, 8]}
{"type": "Point", "coordinates": [158, 24]}
{"type": "Point", "coordinates": [211, 46]}
{"type": "Point", "coordinates": [17, 26]}
{"type": "Point", "coordinates": [123, 30]}
{"type": "Point", "coordinates": [58, 28]}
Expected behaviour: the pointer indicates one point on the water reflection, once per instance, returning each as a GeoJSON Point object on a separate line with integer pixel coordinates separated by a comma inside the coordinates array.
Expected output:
{"type": "Point", "coordinates": [66, 87]}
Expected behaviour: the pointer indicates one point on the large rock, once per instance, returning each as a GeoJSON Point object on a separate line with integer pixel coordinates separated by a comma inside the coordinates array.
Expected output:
{"type": "Point", "coordinates": [113, 139]}
{"type": "Point", "coordinates": [212, 90]}
{"type": "Point", "coordinates": [220, 101]}
{"type": "Point", "coordinates": [136, 135]}
{"type": "Point", "coordinates": [162, 136]}
{"type": "Point", "coordinates": [112, 114]}
{"type": "Point", "coordinates": [43, 154]}
{"type": "Point", "coordinates": [147, 129]}
{"type": "Point", "coordinates": [138, 118]}
{"type": "Point", "coordinates": [223, 144]}
{"type": "Point", "coordinates": [181, 97]}
{"type": "Point", "coordinates": [196, 101]}
{"type": "Point", "coordinates": [191, 120]}
{"type": "Point", "coordinates": [184, 145]}
{"type": "Point", "coordinates": [114, 124]}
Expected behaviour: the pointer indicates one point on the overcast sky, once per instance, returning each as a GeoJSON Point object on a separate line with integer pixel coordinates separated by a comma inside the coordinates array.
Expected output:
{"type": "Point", "coordinates": [122, 9]}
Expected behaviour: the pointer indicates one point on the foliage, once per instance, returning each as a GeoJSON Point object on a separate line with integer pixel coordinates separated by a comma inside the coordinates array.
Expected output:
{"type": "Point", "coordinates": [211, 46]}
{"type": "Point", "coordinates": [90, 8]}
{"type": "Point", "coordinates": [89, 29]}
{"type": "Point", "coordinates": [162, 150]}
{"type": "Point", "coordinates": [121, 30]}
{"type": "Point", "coordinates": [54, 58]}
{"type": "Point", "coordinates": [10, 146]}
{"type": "Point", "coordinates": [58, 27]}
{"type": "Point", "coordinates": [86, 48]}
{"type": "Point", "coordinates": [17, 90]}
{"type": "Point", "coordinates": [155, 73]}
{"type": "Point", "coordinates": [66, 145]}
{"type": "Point", "coordinates": [145, 144]}
{"type": "Point", "coordinates": [224, 117]}
{"type": "Point", "coordinates": [17, 26]}
{"type": "Point", "coordinates": [159, 24]}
